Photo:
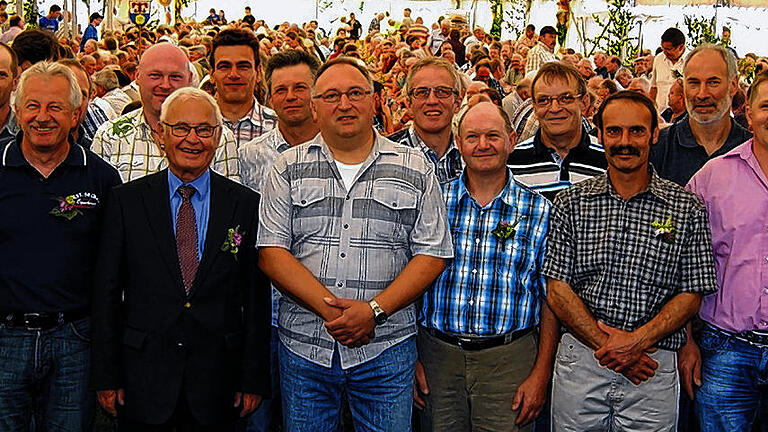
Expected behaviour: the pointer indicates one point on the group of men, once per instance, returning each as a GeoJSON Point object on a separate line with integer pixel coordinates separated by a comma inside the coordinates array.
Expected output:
{"type": "Point", "coordinates": [442, 266]}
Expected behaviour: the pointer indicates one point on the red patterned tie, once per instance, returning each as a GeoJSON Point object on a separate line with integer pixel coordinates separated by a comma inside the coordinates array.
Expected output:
{"type": "Point", "coordinates": [186, 237]}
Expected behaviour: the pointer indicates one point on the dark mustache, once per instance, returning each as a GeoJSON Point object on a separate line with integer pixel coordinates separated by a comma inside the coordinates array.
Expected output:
{"type": "Point", "coordinates": [625, 150]}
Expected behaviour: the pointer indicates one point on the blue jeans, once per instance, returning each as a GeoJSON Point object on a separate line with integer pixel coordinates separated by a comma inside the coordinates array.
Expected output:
{"type": "Point", "coordinates": [733, 383]}
{"type": "Point", "coordinates": [44, 375]}
{"type": "Point", "coordinates": [263, 418]}
{"type": "Point", "coordinates": [379, 391]}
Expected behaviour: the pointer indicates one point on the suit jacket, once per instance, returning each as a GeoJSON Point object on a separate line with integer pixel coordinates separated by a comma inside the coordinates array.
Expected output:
{"type": "Point", "coordinates": [153, 340]}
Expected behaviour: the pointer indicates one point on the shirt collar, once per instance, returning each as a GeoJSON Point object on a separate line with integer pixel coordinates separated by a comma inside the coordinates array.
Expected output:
{"type": "Point", "coordinates": [202, 184]}
{"type": "Point", "coordinates": [685, 133]}
{"type": "Point", "coordinates": [13, 156]}
{"type": "Point", "coordinates": [584, 142]}
{"type": "Point", "coordinates": [380, 145]}
{"type": "Point", "coordinates": [508, 195]}
{"type": "Point", "coordinates": [601, 185]}
{"type": "Point", "coordinates": [11, 124]}
{"type": "Point", "coordinates": [452, 149]}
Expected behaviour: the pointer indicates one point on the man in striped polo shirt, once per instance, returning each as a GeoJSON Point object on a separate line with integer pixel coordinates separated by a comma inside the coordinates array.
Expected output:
{"type": "Point", "coordinates": [561, 152]}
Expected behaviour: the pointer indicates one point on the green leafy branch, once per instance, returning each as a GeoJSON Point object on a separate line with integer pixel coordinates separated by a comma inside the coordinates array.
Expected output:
{"type": "Point", "coordinates": [615, 38]}
{"type": "Point", "coordinates": [701, 30]}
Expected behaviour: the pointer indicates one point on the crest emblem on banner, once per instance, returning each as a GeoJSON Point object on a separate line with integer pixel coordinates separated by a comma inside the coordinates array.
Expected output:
{"type": "Point", "coordinates": [138, 11]}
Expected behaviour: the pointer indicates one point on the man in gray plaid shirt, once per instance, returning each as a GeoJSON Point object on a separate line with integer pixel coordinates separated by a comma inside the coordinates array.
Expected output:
{"type": "Point", "coordinates": [352, 229]}
{"type": "Point", "coordinates": [629, 257]}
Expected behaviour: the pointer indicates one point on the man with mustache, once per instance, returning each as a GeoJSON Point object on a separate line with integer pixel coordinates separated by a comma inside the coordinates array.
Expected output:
{"type": "Point", "coordinates": [710, 79]}
{"type": "Point", "coordinates": [483, 365]}
{"type": "Point", "coordinates": [728, 355]}
{"type": "Point", "coordinates": [131, 142]}
{"type": "Point", "coordinates": [629, 257]}
{"type": "Point", "coordinates": [433, 87]}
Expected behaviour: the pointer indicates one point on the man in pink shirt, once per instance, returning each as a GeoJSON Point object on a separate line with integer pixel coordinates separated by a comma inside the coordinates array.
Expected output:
{"type": "Point", "coordinates": [729, 363]}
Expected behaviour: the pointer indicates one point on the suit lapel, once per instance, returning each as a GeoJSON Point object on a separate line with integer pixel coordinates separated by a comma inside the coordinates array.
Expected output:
{"type": "Point", "coordinates": [221, 209]}
{"type": "Point", "coordinates": [158, 209]}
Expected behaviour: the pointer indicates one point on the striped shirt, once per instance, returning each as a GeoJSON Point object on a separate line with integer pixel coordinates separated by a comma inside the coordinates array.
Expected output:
{"type": "Point", "coordinates": [492, 286]}
{"type": "Point", "coordinates": [543, 170]}
{"type": "Point", "coordinates": [257, 122]}
{"type": "Point", "coordinates": [537, 56]}
{"type": "Point", "coordinates": [256, 160]}
{"type": "Point", "coordinates": [127, 144]}
{"type": "Point", "coordinates": [356, 241]}
{"type": "Point", "coordinates": [447, 168]}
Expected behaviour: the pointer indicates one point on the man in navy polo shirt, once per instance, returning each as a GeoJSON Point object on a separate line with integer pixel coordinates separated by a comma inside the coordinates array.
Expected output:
{"type": "Point", "coordinates": [51, 196]}
{"type": "Point", "coordinates": [50, 22]}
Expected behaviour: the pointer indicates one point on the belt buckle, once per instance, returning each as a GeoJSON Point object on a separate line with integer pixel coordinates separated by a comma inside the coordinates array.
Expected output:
{"type": "Point", "coordinates": [463, 342]}
{"type": "Point", "coordinates": [29, 321]}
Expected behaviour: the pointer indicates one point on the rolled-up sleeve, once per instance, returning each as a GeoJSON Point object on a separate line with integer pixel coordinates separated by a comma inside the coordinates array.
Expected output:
{"type": "Point", "coordinates": [697, 262]}
{"type": "Point", "coordinates": [275, 209]}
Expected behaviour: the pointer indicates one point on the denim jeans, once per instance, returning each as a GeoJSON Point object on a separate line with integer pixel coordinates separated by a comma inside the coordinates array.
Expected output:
{"type": "Point", "coordinates": [379, 391]}
{"type": "Point", "coordinates": [266, 417]}
{"type": "Point", "coordinates": [733, 383]}
{"type": "Point", "coordinates": [44, 375]}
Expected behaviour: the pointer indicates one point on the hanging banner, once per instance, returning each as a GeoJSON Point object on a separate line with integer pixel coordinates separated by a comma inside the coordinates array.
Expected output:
{"type": "Point", "coordinates": [138, 11]}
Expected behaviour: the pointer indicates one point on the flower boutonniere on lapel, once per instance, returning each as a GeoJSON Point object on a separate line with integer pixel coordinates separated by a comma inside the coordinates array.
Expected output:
{"type": "Point", "coordinates": [505, 230]}
{"type": "Point", "coordinates": [233, 241]}
{"type": "Point", "coordinates": [664, 231]}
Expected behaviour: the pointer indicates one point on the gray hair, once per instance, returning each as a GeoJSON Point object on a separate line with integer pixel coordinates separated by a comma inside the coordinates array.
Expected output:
{"type": "Point", "coordinates": [728, 58]}
{"type": "Point", "coordinates": [106, 79]}
{"type": "Point", "coordinates": [186, 93]}
{"type": "Point", "coordinates": [48, 70]}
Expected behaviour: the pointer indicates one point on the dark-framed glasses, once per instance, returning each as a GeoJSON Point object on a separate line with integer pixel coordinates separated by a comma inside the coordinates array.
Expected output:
{"type": "Point", "coordinates": [440, 92]}
{"type": "Point", "coordinates": [563, 99]}
{"type": "Point", "coordinates": [181, 130]}
{"type": "Point", "coordinates": [334, 96]}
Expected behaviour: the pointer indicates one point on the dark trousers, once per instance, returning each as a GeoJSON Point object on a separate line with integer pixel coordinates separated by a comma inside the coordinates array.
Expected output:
{"type": "Point", "coordinates": [182, 420]}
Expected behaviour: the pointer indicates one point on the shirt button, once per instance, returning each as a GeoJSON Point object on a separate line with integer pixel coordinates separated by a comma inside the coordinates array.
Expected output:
{"type": "Point", "coordinates": [343, 255]}
{"type": "Point", "coordinates": [394, 204]}
{"type": "Point", "coordinates": [303, 201]}
{"type": "Point", "coordinates": [471, 302]}
{"type": "Point", "coordinates": [474, 271]}
{"type": "Point", "coordinates": [763, 322]}
{"type": "Point", "coordinates": [346, 197]}
{"type": "Point", "coordinates": [180, 344]}
{"type": "Point", "coordinates": [477, 241]}
{"type": "Point", "coordinates": [340, 284]}
{"type": "Point", "coordinates": [346, 226]}
{"type": "Point", "coordinates": [187, 305]}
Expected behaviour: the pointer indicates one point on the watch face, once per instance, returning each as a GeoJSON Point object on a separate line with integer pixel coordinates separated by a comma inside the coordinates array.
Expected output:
{"type": "Point", "coordinates": [380, 318]}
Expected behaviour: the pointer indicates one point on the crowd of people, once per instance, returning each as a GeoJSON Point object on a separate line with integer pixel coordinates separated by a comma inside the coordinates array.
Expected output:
{"type": "Point", "coordinates": [230, 225]}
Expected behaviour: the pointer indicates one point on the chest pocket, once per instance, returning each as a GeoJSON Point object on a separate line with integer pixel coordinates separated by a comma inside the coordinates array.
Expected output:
{"type": "Point", "coordinates": [393, 210]}
{"type": "Point", "coordinates": [310, 211]}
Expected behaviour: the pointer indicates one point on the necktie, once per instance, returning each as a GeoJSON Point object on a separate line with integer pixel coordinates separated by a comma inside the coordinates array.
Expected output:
{"type": "Point", "coordinates": [186, 237]}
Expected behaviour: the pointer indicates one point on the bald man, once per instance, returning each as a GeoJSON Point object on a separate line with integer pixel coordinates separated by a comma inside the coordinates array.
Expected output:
{"type": "Point", "coordinates": [131, 142]}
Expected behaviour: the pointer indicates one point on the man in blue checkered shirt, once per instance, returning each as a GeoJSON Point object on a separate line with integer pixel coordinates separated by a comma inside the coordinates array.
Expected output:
{"type": "Point", "coordinates": [482, 365]}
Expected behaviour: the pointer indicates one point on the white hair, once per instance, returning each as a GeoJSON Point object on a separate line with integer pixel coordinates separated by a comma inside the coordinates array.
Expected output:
{"type": "Point", "coordinates": [186, 93]}
{"type": "Point", "coordinates": [48, 70]}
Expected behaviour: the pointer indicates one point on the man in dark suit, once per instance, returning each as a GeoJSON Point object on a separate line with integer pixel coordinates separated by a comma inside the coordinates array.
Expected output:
{"type": "Point", "coordinates": [181, 312]}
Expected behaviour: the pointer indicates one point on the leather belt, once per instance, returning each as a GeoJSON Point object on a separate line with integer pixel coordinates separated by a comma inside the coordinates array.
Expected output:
{"type": "Point", "coordinates": [756, 338]}
{"type": "Point", "coordinates": [41, 320]}
{"type": "Point", "coordinates": [468, 343]}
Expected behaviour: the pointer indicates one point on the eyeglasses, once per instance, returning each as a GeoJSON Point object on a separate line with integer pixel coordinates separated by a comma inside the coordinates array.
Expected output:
{"type": "Point", "coordinates": [334, 96]}
{"type": "Point", "coordinates": [440, 92]}
{"type": "Point", "coordinates": [563, 99]}
{"type": "Point", "coordinates": [181, 130]}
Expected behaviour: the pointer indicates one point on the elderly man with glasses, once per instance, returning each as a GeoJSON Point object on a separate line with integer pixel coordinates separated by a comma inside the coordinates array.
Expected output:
{"type": "Point", "coordinates": [353, 229]}
{"type": "Point", "coordinates": [181, 310]}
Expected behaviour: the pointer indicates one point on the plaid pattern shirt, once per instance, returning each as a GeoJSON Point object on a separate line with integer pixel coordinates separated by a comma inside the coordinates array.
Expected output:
{"type": "Point", "coordinates": [492, 286]}
{"type": "Point", "coordinates": [356, 241]}
{"type": "Point", "coordinates": [256, 160]}
{"type": "Point", "coordinates": [127, 144]}
{"type": "Point", "coordinates": [610, 254]}
{"type": "Point", "coordinates": [447, 168]}
{"type": "Point", "coordinates": [537, 56]}
{"type": "Point", "coordinates": [257, 122]}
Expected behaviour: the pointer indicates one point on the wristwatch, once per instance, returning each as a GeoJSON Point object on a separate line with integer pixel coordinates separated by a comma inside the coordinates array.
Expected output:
{"type": "Point", "coordinates": [379, 316]}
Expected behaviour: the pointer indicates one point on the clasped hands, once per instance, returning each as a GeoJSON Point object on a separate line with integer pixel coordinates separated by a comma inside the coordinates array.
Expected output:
{"type": "Point", "coordinates": [626, 353]}
{"type": "Point", "coordinates": [354, 327]}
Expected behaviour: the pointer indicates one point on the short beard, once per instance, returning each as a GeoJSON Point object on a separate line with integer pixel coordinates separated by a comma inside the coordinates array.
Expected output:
{"type": "Point", "coordinates": [720, 112]}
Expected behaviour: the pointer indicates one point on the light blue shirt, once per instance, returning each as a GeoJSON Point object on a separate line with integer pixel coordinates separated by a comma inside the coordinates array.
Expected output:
{"type": "Point", "coordinates": [201, 202]}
